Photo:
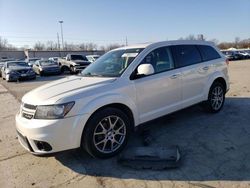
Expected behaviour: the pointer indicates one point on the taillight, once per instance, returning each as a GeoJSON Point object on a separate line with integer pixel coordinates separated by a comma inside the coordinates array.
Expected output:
{"type": "Point", "coordinates": [227, 61]}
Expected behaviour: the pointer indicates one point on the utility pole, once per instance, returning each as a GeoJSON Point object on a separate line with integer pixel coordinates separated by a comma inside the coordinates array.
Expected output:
{"type": "Point", "coordinates": [61, 22]}
{"type": "Point", "coordinates": [126, 41]}
{"type": "Point", "coordinates": [58, 42]}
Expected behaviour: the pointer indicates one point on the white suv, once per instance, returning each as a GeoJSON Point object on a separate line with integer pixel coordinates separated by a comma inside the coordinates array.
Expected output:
{"type": "Point", "coordinates": [98, 109]}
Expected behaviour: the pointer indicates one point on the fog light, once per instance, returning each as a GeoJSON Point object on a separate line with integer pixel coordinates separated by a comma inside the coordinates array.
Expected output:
{"type": "Point", "coordinates": [43, 146]}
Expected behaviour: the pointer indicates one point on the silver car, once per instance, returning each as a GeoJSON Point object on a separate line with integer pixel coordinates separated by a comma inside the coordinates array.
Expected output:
{"type": "Point", "coordinates": [17, 70]}
{"type": "Point", "coordinates": [43, 67]}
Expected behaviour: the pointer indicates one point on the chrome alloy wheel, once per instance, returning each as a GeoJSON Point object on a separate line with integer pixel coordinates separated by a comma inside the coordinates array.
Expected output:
{"type": "Point", "coordinates": [109, 134]}
{"type": "Point", "coordinates": [217, 97]}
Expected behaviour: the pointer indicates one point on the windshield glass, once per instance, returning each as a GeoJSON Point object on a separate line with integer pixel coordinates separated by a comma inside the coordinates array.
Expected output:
{"type": "Point", "coordinates": [112, 64]}
{"type": "Point", "coordinates": [78, 57]}
{"type": "Point", "coordinates": [47, 63]}
{"type": "Point", "coordinates": [14, 64]}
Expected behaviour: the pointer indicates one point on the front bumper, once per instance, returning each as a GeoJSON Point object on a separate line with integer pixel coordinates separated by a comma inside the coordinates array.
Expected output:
{"type": "Point", "coordinates": [13, 77]}
{"type": "Point", "coordinates": [79, 68]}
{"type": "Point", "coordinates": [60, 134]}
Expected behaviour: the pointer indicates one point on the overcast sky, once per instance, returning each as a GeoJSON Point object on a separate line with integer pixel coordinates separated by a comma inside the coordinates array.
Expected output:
{"type": "Point", "coordinates": [24, 22]}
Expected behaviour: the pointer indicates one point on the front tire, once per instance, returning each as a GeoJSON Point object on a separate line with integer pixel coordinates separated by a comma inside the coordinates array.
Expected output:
{"type": "Point", "coordinates": [106, 133]}
{"type": "Point", "coordinates": [216, 98]}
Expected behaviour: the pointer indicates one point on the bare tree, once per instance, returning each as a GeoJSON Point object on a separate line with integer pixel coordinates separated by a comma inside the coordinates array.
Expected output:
{"type": "Point", "coordinates": [91, 46]}
{"type": "Point", "coordinates": [191, 37]}
{"type": "Point", "coordinates": [215, 41]}
{"type": "Point", "coordinates": [51, 45]}
{"type": "Point", "coordinates": [112, 46]}
{"type": "Point", "coordinates": [82, 46]}
{"type": "Point", "coordinates": [102, 48]}
{"type": "Point", "coordinates": [39, 46]}
{"type": "Point", "coordinates": [3, 44]}
{"type": "Point", "coordinates": [236, 42]}
{"type": "Point", "coordinates": [70, 46]}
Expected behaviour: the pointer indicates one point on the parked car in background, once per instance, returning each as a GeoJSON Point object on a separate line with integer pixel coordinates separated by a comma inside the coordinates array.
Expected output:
{"type": "Point", "coordinates": [31, 61]}
{"type": "Point", "coordinates": [244, 54]}
{"type": "Point", "coordinates": [43, 67]}
{"type": "Point", "coordinates": [17, 70]}
{"type": "Point", "coordinates": [2, 61]}
{"type": "Point", "coordinates": [73, 63]}
{"type": "Point", "coordinates": [92, 58]}
{"type": "Point", "coordinates": [123, 89]}
{"type": "Point", "coordinates": [235, 55]}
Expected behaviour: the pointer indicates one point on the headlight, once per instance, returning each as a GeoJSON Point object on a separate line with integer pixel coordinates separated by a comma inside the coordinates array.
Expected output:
{"type": "Point", "coordinates": [57, 111]}
{"type": "Point", "coordinates": [10, 72]}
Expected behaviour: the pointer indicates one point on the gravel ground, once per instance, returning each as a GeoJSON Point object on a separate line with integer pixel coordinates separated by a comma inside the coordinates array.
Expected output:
{"type": "Point", "coordinates": [215, 147]}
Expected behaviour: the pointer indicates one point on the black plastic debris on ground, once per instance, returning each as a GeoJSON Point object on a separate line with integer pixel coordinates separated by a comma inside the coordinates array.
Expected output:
{"type": "Point", "coordinates": [155, 158]}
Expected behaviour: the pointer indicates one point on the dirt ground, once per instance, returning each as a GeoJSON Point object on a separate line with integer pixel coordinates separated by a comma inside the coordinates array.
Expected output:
{"type": "Point", "coordinates": [214, 147]}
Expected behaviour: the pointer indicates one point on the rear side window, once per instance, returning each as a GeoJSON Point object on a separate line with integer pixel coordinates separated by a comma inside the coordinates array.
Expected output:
{"type": "Point", "coordinates": [208, 53]}
{"type": "Point", "coordinates": [186, 55]}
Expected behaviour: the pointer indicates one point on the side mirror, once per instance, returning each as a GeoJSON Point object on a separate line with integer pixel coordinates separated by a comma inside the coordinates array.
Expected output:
{"type": "Point", "coordinates": [145, 69]}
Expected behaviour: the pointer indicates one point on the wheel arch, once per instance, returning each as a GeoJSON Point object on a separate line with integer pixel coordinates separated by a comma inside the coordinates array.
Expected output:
{"type": "Point", "coordinates": [124, 108]}
{"type": "Point", "coordinates": [215, 78]}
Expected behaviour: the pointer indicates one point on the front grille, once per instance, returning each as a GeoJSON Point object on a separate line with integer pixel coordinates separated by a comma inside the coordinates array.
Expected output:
{"type": "Point", "coordinates": [80, 67]}
{"type": "Point", "coordinates": [22, 71]}
{"type": "Point", "coordinates": [28, 111]}
{"type": "Point", "coordinates": [29, 106]}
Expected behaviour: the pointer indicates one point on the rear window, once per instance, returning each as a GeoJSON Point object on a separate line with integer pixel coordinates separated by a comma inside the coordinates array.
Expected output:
{"type": "Point", "coordinates": [186, 55]}
{"type": "Point", "coordinates": [208, 53]}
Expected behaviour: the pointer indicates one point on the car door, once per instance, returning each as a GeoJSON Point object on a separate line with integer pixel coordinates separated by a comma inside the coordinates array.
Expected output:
{"type": "Point", "coordinates": [159, 93]}
{"type": "Point", "coordinates": [194, 72]}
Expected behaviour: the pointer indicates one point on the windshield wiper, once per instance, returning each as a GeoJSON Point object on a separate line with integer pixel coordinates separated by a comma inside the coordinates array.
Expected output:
{"type": "Point", "coordinates": [89, 74]}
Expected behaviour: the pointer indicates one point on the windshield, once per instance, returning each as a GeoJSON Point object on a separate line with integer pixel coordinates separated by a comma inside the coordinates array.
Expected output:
{"type": "Point", "coordinates": [14, 64]}
{"type": "Point", "coordinates": [112, 64]}
{"type": "Point", "coordinates": [47, 63]}
{"type": "Point", "coordinates": [78, 57]}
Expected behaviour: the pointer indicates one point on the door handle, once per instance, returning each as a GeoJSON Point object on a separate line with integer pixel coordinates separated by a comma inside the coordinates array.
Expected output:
{"type": "Point", "coordinates": [205, 68]}
{"type": "Point", "coordinates": [174, 76]}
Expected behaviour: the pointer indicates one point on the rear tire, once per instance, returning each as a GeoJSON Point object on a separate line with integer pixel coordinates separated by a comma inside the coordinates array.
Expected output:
{"type": "Point", "coordinates": [106, 133]}
{"type": "Point", "coordinates": [216, 98]}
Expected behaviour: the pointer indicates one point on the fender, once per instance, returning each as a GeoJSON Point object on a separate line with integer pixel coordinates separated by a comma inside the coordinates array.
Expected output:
{"type": "Point", "coordinates": [108, 99]}
{"type": "Point", "coordinates": [212, 77]}
{"type": "Point", "coordinates": [89, 108]}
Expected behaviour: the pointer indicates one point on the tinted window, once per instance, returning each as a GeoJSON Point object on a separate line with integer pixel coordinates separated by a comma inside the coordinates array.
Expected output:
{"type": "Point", "coordinates": [78, 57]}
{"type": "Point", "coordinates": [186, 55]}
{"type": "Point", "coordinates": [14, 64]}
{"type": "Point", "coordinates": [208, 53]}
{"type": "Point", "coordinates": [160, 59]}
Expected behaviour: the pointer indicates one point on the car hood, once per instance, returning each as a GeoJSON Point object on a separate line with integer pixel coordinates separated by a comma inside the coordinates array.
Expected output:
{"type": "Point", "coordinates": [16, 68]}
{"type": "Point", "coordinates": [52, 92]}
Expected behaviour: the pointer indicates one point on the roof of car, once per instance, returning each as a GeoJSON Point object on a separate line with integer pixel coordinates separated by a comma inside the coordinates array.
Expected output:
{"type": "Point", "coordinates": [15, 62]}
{"type": "Point", "coordinates": [171, 42]}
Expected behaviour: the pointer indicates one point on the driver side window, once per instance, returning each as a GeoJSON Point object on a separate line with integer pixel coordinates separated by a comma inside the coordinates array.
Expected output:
{"type": "Point", "coordinates": [161, 59]}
